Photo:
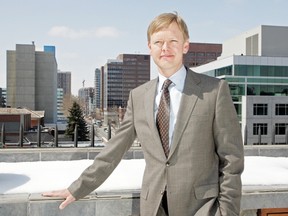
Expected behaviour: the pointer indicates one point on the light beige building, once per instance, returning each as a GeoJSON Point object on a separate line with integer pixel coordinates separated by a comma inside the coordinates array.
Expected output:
{"type": "Point", "coordinates": [32, 79]}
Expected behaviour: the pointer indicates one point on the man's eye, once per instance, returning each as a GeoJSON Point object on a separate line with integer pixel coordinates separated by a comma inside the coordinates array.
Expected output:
{"type": "Point", "coordinates": [158, 42]}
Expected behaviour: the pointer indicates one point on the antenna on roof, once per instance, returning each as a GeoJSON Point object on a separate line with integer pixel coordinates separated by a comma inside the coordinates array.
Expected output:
{"type": "Point", "coordinates": [83, 83]}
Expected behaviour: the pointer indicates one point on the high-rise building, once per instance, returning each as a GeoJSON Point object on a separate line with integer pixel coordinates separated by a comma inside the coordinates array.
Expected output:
{"type": "Point", "coordinates": [32, 79]}
{"type": "Point", "coordinates": [255, 63]}
{"type": "Point", "coordinates": [2, 97]}
{"type": "Point", "coordinates": [122, 75]}
{"type": "Point", "coordinates": [86, 96]}
{"type": "Point", "coordinates": [61, 118]}
{"type": "Point", "coordinates": [64, 82]}
{"type": "Point", "coordinates": [98, 87]}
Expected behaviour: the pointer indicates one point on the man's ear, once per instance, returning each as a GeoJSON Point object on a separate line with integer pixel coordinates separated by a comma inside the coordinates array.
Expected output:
{"type": "Point", "coordinates": [186, 47]}
{"type": "Point", "coordinates": [149, 47]}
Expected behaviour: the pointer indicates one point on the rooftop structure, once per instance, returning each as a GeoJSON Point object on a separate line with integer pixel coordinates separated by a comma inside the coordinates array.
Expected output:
{"type": "Point", "coordinates": [13, 117]}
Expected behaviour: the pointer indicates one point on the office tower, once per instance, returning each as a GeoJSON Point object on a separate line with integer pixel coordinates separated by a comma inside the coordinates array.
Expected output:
{"type": "Point", "coordinates": [2, 97]}
{"type": "Point", "coordinates": [61, 118]}
{"type": "Point", "coordinates": [64, 82]}
{"type": "Point", "coordinates": [86, 96]}
{"type": "Point", "coordinates": [121, 76]}
{"type": "Point", "coordinates": [98, 88]}
{"type": "Point", "coordinates": [32, 79]}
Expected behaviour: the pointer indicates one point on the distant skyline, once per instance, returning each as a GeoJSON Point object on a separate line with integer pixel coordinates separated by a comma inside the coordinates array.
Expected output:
{"type": "Point", "coordinates": [87, 33]}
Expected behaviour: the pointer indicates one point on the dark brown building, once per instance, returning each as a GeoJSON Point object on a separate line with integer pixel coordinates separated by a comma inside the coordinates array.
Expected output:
{"type": "Point", "coordinates": [64, 82]}
{"type": "Point", "coordinates": [202, 53]}
{"type": "Point", "coordinates": [122, 75]}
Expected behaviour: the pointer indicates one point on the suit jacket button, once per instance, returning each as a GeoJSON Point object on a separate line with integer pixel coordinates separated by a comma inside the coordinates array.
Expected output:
{"type": "Point", "coordinates": [162, 192]}
{"type": "Point", "coordinates": [167, 164]}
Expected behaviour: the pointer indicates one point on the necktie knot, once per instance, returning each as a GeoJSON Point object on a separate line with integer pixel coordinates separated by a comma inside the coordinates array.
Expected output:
{"type": "Point", "coordinates": [166, 84]}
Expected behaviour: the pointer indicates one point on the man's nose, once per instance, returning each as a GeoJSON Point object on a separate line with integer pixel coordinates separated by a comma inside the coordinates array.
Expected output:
{"type": "Point", "coordinates": [165, 46]}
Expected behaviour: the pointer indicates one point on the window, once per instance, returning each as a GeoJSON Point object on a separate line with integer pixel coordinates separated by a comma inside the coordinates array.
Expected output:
{"type": "Point", "coordinates": [211, 54]}
{"type": "Point", "coordinates": [262, 126]}
{"type": "Point", "coordinates": [280, 128]}
{"type": "Point", "coordinates": [223, 71]}
{"type": "Point", "coordinates": [260, 109]}
{"type": "Point", "coordinates": [200, 54]}
{"type": "Point", "coordinates": [281, 109]}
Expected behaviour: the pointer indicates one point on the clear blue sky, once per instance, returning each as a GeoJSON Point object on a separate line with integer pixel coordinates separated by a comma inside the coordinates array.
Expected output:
{"type": "Point", "coordinates": [87, 33]}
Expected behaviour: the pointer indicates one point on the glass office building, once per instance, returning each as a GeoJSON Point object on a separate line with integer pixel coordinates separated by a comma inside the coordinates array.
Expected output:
{"type": "Point", "coordinates": [262, 76]}
{"type": "Point", "coordinates": [254, 64]}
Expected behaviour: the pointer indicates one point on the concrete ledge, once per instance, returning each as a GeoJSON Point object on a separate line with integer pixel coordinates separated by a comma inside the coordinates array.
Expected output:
{"type": "Point", "coordinates": [124, 203]}
{"type": "Point", "coordinates": [58, 154]}
{"type": "Point", "coordinates": [259, 197]}
{"type": "Point", "coordinates": [92, 205]}
{"type": "Point", "coordinates": [64, 154]}
{"type": "Point", "coordinates": [266, 150]}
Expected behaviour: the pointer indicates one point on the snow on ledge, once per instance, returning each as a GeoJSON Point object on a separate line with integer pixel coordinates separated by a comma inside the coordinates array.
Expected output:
{"type": "Point", "coordinates": [37, 177]}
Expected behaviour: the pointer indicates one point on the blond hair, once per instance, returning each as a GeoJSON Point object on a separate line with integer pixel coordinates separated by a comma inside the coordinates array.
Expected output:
{"type": "Point", "coordinates": [163, 21]}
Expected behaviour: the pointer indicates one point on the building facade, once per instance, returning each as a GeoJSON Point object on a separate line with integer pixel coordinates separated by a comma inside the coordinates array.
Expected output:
{"type": "Point", "coordinates": [265, 119]}
{"type": "Point", "coordinates": [32, 79]}
{"type": "Point", "coordinates": [202, 53]}
{"type": "Point", "coordinates": [2, 97]}
{"type": "Point", "coordinates": [98, 87]}
{"type": "Point", "coordinates": [86, 96]}
{"type": "Point", "coordinates": [64, 82]}
{"type": "Point", "coordinates": [122, 75]}
{"type": "Point", "coordinates": [254, 64]}
{"type": "Point", "coordinates": [61, 118]}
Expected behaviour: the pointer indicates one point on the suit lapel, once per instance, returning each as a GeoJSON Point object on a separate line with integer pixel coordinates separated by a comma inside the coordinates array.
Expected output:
{"type": "Point", "coordinates": [149, 104]}
{"type": "Point", "coordinates": [191, 92]}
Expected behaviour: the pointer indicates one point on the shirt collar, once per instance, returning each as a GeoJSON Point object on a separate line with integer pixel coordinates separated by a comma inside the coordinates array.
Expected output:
{"type": "Point", "coordinates": [177, 78]}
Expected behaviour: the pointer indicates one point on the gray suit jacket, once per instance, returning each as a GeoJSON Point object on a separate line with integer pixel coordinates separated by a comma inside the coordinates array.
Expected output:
{"type": "Point", "coordinates": [202, 174]}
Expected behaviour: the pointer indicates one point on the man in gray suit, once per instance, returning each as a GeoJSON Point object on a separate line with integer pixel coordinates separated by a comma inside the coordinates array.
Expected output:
{"type": "Point", "coordinates": [198, 170]}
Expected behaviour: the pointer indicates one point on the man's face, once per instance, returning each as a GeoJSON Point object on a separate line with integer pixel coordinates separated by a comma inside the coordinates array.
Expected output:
{"type": "Point", "coordinates": [167, 47]}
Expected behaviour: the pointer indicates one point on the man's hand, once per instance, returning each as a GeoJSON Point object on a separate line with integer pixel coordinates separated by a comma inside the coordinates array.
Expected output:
{"type": "Point", "coordinates": [63, 194]}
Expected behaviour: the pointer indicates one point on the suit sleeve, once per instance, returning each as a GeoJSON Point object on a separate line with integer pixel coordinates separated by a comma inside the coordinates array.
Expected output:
{"type": "Point", "coordinates": [229, 147]}
{"type": "Point", "coordinates": [107, 160]}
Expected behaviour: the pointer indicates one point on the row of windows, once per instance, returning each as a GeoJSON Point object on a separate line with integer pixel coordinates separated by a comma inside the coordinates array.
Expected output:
{"type": "Point", "coordinates": [238, 90]}
{"type": "Point", "coordinates": [251, 70]}
{"type": "Point", "coordinates": [267, 80]}
{"type": "Point", "coordinates": [201, 60]}
{"type": "Point", "coordinates": [262, 128]}
{"type": "Point", "coordinates": [261, 70]}
{"type": "Point", "coordinates": [269, 90]}
{"type": "Point", "coordinates": [262, 109]}
{"type": "Point", "coordinates": [209, 54]}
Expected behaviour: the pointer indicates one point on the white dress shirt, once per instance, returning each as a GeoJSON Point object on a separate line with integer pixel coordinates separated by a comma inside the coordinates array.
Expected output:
{"type": "Point", "coordinates": [175, 91]}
